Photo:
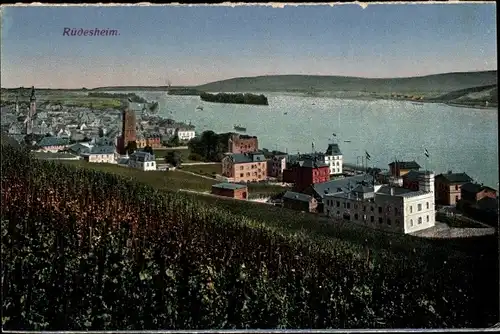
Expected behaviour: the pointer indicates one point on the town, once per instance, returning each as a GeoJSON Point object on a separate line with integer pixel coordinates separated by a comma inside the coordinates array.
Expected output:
{"type": "Point", "coordinates": [403, 198]}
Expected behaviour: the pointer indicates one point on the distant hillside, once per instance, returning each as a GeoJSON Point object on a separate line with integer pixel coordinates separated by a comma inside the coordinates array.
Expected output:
{"type": "Point", "coordinates": [471, 96]}
{"type": "Point", "coordinates": [438, 83]}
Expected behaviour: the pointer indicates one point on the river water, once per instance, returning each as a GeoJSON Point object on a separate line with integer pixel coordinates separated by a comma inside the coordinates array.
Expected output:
{"type": "Point", "coordinates": [457, 139]}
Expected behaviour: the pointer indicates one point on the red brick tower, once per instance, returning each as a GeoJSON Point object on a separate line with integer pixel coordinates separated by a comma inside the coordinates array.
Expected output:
{"type": "Point", "coordinates": [128, 130]}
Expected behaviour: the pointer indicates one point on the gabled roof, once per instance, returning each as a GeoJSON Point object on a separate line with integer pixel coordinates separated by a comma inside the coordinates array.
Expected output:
{"type": "Point", "coordinates": [474, 187]}
{"type": "Point", "coordinates": [455, 177]}
{"type": "Point", "coordinates": [309, 163]}
{"type": "Point", "coordinates": [231, 186]}
{"type": "Point", "coordinates": [106, 149]}
{"type": "Point", "coordinates": [142, 156]}
{"type": "Point", "coordinates": [53, 141]}
{"type": "Point", "coordinates": [297, 196]}
{"type": "Point", "coordinates": [405, 164]}
{"type": "Point", "coordinates": [333, 149]}
{"type": "Point", "coordinates": [239, 158]}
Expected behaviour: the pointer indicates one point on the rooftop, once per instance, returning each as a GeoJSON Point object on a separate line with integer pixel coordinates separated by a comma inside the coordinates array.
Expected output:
{"type": "Point", "coordinates": [333, 149]}
{"type": "Point", "coordinates": [297, 196]}
{"type": "Point", "coordinates": [405, 164]}
{"type": "Point", "coordinates": [455, 177]}
{"type": "Point", "coordinates": [231, 186]}
{"type": "Point", "coordinates": [240, 158]}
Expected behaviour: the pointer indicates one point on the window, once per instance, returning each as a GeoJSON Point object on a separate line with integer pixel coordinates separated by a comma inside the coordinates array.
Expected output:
{"type": "Point", "coordinates": [411, 209]}
{"type": "Point", "coordinates": [248, 174]}
{"type": "Point", "coordinates": [427, 205]}
{"type": "Point", "coordinates": [456, 187]}
{"type": "Point", "coordinates": [380, 220]}
{"type": "Point", "coordinates": [345, 205]}
{"type": "Point", "coordinates": [396, 211]}
{"type": "Point", "coordinates": [338, 204]}
{"type": "Point", "coordinates": [364, 208]}
{"type": "Point", "coordinates": [355, 216]}
{"type": "Point", "coordinates": [372, 219]}
{"type": "Point", "coordinates": [372, 208]}
{"type": "Point", "coordinates": [427, 218]}
{"type": "Point", "coordinates": [379, 209]}
{"type": "Point", "coordinates": [242, 167]}
{"type": "Point", "coordinates": [420, 220]}
{"type": "Point", "coordinates": [338, 213]}
{"type": "Point", "coordinates": [419, 207]}
{"type": "Point", "coordinates": [456, 198]}
{"type": "Point", "coordinates": [411, 222]}
{"type": "Point", "coordinates": [397, 222]}
{"type": "Point", "coordinates": [389, 221]}
{"type": "Point", "coordinates": [241, 175]}
{"type": "Point", "coordinates": [348, 205]}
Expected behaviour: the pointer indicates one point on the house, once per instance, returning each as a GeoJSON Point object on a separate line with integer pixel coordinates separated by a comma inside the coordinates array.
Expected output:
{"type": "Point", "coordinates": [276, 164]}
{"type": "Point", "coordinates": [236, 191]}
{"type": "Point", "coordinates": [53, 144]}
{"type": "Point", "coordinates": [154, 140]}
{"type": "Point", "coordinates": [334, 159]}
{"type": "Point", "coordinates": [384, 207]}
{"type": "Point", "coordinates": [248, 167]}
{"type": "Point", "coordinates": [142, 160]}
{"type": "Point", "coordinates": [305, 172]}
{"type": "Point", "coordinates": [448, 187]}
{"type": "Point", "coordinates": [301, 202]}
{"type": "Point", "coordinates": [472, 193]}
{"type": "Point", "coordinates": [101, 154]}
{"type": "Point", "coordinates": [409, 180]}
{"type": "Point", "coordinates": [242, 143]}
{"type": "Point", "coordinates": [400, 168]}
{"type": "Point", "coordinates": [185, 133]}
{"type": "Point", "coordinates": [80, 148]}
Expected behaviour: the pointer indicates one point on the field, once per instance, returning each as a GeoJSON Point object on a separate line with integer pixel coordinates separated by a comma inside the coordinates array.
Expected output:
{"type": "Point", "coordinates": [172, 180]}
{"type": "Point", "coordinates": [162, 260]}
{"type": "Point", "coordinates": [207, 170]}
{"type": "Point", "coordinates": [68, 98]}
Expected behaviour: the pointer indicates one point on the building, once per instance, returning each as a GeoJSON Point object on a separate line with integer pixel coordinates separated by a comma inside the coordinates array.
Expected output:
{"type": "Point", "coordinates": [300, 202]}
{"type": "Point", "coordinates": [242, 143]}
{"type": "Point", "coordinates": [101, 154]}
{"type": "Point", "coordinates": [248, 167]}
{"type": "Point", "coordinates": [129, 132]}
{"type": "Point", "coordinates": [400, 168]}
{"type": "Point", "coordinates": [472, 193]}
{"type": "Point", "coordinates": [334, 159]}
{"type": "Point", "coordinates": [306, 172]}
{"type": "Point", "coordinates": [142, 160]}
{"type": "Point", "coordinates": [276, 164]}
{"type": "Point", "coordinates": [80, 148]}
{"type": "Point", "coordinates": [53, 144]}
{"type": "Point", "coordinates": [448, 187]}
{"type": "Point", "coordinates": [385, 207]}
{"type": "Point", "coordinates": [153, 140]}
{"type": "Point", "coordinates": [236, 191]}
{"type": "Point", "coordinates": [185, 133]}
{"type": "Point", "coordinates": [319, 190]}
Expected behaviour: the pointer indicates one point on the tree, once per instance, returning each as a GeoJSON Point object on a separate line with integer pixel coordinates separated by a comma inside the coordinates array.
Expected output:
{"type": "Point", "coordinates": [148, 149]}
{"type": "Point", "coordinates": [174, 158]}
{"type": "Point", "coordinates": [131, 147]}
{"type": "Point", "coordinates": [173, 142]}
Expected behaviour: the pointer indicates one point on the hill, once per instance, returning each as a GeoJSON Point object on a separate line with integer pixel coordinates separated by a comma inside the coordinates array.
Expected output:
{"type": "Point", "coordinates": [475, 96]}
{"type": "Point", "coordinates": [438, 83]}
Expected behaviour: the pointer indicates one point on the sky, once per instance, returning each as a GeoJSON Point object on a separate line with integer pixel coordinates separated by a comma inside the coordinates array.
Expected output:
{"type": "Point", "coordinates": [191, 45]}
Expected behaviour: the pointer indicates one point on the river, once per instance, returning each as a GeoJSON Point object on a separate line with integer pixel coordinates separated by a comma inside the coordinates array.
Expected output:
{"type": "Point", "coordinates": [457, 139]}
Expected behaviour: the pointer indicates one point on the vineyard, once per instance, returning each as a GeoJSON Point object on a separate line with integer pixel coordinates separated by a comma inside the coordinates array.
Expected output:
{"type": "Point", "coordinates": [85, 249]}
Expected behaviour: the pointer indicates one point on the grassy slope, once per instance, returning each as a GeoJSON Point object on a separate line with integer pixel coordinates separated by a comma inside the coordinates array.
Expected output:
{"type": "Point", "coordinates": [446, 82]}
{"type": "Point", "coordinates": [474, 95]}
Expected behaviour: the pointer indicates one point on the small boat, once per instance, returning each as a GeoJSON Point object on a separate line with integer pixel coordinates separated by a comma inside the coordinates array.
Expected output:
{"type": "Point", "coordinates": [347, 141]}
{"type": "Point", "coordinates": [199, 108]}
{"type": "Point", "coordinates": [418, 103]}
{"type": "Point", "coordinates": [313, 104]}
{"type": "Point", "coordinates": [240, 128]}
{"type": "Point", "coordinates": [285, 113]}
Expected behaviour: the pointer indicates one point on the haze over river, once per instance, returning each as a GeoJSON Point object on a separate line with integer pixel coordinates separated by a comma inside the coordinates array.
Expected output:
{"type": "Point", "coordinates": [458, 139]}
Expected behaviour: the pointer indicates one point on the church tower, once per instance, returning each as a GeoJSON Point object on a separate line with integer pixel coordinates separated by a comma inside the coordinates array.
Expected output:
{"type": "Point", "coordinates": [128, 130]}
{"type": "Point", "coordinates": [32, 111]}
